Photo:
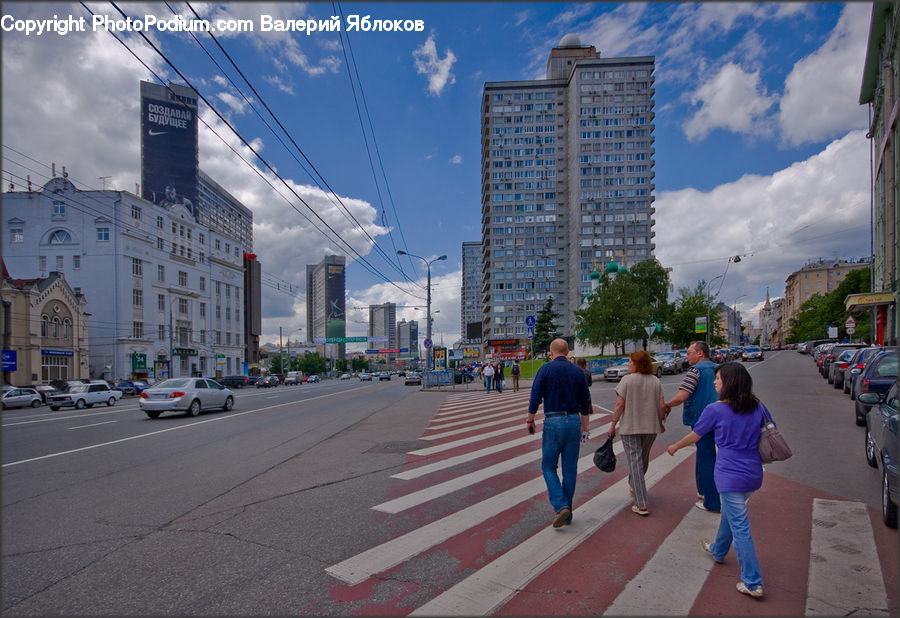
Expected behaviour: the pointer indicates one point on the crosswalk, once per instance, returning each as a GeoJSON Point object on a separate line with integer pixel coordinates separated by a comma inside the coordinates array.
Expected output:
{"type": "Point", "coordinates": [473, 506]}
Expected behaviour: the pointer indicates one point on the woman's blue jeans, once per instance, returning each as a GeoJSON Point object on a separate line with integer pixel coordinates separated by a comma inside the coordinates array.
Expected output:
{"type": "Point", "coordinates": [561, 438]}
{"type": "Point", "coordinates": [735, 526]}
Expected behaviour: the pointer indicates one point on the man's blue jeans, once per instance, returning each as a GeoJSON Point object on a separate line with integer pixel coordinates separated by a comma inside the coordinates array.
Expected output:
{"type": "Point", "coordinates": [705, 468]}
{"type": "Point", "coordinates": [561, 437]}
{"type": "Point", "coordinates": [487, 383]}
{"type": "Point", "coordinates": [735, 526]}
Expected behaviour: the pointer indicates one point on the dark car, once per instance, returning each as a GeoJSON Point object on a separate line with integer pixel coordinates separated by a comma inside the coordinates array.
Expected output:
{"type": "Point", "coordinates": [235, 381]}
{"type": "Point", "coordinates": [857, 362]}
{"type": "Point", "coordinates": [132, 387]}
{"type": "Point", "coordinates": [45, 390]}
{"type": "Point", "coordinates": [839, 366]}
{"type": "Point", "coordinates": [881, 447]}
{"type": "Point", "coordinates": [831, 355]}
{"type": "Point", "coordinates": [752, 353]}
{"type": "Point", "coordinates": [384, 375]}
{"type": "Point", "coordinates": [878, 376]}
{"type": "Point", "coordinates": [266, 382]}
{"type": "Point", "coordinates": [252, 380]}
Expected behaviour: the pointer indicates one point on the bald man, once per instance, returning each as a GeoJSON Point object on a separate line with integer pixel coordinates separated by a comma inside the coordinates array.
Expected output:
{"type": "Point", "coordinates": [563, 390]}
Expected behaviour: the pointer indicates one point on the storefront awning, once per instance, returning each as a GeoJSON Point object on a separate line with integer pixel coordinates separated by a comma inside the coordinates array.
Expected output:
{"type": "Point", "coordinates": [868, 299]}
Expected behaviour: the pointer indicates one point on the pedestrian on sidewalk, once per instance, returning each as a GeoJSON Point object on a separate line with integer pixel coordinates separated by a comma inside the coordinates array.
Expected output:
{"type": "Point", "coordinates": [488, 373]}
{"type": "Point", "coordinates": [734, 421]}
{"type": "Point", "coordinates": [697, 392]}
{"type": "Point", "coordinates": [640, 410]}
{"type": "Point", "coordinates": [515, 371]}
{"type": "Point", "coordinates": [562, 389]}
{"type": "Point", "coordinates": [499, 378]}
{"type": "Point", "coordinates": [587, 374]}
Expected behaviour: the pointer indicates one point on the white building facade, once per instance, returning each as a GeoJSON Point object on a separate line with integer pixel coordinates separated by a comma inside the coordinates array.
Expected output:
{"type": "Point", "coordinates": [164, 294]}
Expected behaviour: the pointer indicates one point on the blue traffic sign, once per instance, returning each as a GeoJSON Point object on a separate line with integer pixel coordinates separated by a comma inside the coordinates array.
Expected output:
{"type": "Point", "coordinates": [531, 332]}
{"type": "Point", "coordinates": [9, 360]}
{"type": "Point", "coordinates": [529, 321]}
{"type": "Point", "coordinates": [427, 343]}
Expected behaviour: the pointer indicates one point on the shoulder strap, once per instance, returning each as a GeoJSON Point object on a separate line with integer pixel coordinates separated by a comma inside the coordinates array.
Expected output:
{"type": "Point", "coordinates": [767, 416]}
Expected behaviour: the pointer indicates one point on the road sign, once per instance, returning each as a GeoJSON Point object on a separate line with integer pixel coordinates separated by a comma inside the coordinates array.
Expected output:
{"type": "Point", "coordinates": [849, 322]}
{"type": "Point", "coordinates": [427, 343]}
{"type": "Point", "coordinates": [649, 330]}
{"type": "Point", "coordinates": [700, 325]}
{"type": "Point", "coordinates": [9, 360]}
{"type": "Point", "coordinates": [530, 321]}
{"type": "Point", "coordinates": [850, 330]}
{"type": "Point", "coordinates": [531, 332]}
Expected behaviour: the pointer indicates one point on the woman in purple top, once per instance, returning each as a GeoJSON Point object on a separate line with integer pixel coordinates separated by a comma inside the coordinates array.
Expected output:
{"type": "Point", "coordinates": [736, 419]}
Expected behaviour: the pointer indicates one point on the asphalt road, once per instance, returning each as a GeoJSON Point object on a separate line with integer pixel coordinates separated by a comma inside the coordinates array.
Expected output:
{"type": "Point", "coordinates": [108, 512]}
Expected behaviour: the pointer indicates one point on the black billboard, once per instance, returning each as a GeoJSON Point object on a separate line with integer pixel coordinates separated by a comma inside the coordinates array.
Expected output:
{"type": "Point", "coordinates": [335, 311]}
{"type": "Point", "coordinates": [169, 148]}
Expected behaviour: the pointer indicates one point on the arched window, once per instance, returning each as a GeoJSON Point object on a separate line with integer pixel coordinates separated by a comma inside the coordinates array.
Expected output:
{"type": "Point", "coordinates": [55, 330]}
{"type": "Point", "coordinates": [60, 237]}
{"type": "Point", "coordinates": [67, 323]}
{"type": "Point", "coordinates": [45, 325]}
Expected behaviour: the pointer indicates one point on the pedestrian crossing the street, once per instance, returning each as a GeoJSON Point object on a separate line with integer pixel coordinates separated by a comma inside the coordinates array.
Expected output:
{"type": "Point", "coordinates": [476, 536]}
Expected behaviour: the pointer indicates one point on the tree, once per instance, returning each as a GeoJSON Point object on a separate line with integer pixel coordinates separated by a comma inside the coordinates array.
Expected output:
{"type": "Point", "coordinates": [359, 364]}
{"type": "Point", "coordinates": [689, 305]}
{"type": "Point", "coordinates": [545, 328]}
{"type": "Point", "coordinates": [312, 364]}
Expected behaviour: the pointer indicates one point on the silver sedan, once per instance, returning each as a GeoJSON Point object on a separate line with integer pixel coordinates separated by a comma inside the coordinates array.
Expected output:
{"type": "Point", "coordinates": [188, 394]}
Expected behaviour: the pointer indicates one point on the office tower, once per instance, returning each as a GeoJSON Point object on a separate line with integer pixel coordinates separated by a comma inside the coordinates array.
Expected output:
{"type": "Point", "coordinates": [408, 337]}
{"type": "Point", "coordinates": [567, 183]}
{"type": "Point", "coordinates": [383, 323]}
{"type": "Point", "coordinates": [325, 303]}
{"type": "Point", "coordinates": [471, 294]}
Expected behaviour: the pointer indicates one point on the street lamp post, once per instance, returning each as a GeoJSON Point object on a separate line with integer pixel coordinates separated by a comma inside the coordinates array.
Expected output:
{"type": "Point", "coordinates": [429, 354]}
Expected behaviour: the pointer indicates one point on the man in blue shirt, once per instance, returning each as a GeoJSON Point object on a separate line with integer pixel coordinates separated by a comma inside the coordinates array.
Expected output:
{"type": "Point", "coordinates": [697, 391]}
{"type": "Point", "coordinates": [563, 389]}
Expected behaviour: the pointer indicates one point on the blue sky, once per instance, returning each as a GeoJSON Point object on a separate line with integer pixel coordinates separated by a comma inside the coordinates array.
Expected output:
{"type": "Point", "coordinates": [760, 140]}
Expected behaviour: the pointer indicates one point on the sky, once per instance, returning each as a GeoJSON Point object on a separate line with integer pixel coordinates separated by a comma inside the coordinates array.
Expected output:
{"type": "Point", "coordinates": [759, 136]}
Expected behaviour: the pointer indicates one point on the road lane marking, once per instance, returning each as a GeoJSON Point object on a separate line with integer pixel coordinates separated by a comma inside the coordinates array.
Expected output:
{"type": "Point", "coordinates": [62, 418]}
{"type": "Point", "coordinates": [842, 557]}
{"type": "Point", "coordinates": [491, 586]}
{"type": "Point", "coordinates": [161, 431]}
{"type": "Point", "coordinates": [92, 425]}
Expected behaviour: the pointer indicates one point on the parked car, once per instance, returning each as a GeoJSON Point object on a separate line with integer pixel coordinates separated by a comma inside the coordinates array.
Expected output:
{"type": "Point", "coordinates": [384, 375]}
{"type": "Point", "coordinates": [365, 377]}
{"type": "Point", "coordinates": [314, 378]}
{"type": "Point", "coordinates": [267, 381]}
{"type": "Point", "coordinates": [85, 396]}
{"type": "Point", "coordinates": [132, 387]}
{"type": "Point", "coordinates": [878, 376]}
{"type": "Point", "coordinates": [412, 377]}
{"type": "Point", "coordinates": [20, 397]}
{"type": "Point", "coordinates": [838, 366]}
{"type": "Point", "coordinates": [671, 362]}
{"type": "Point", "coordinates": [293, 378]}
{"type": "Point", "coordinates": [192, 395]}
{"type": "Point", "coordinates": [857, 362]}
{"type": "Point", "coordinates": [616, 372]}
{"type": "Point", "coordinates": [752, 353]}
{"type": "Point", "coordinates": [345, 376]}
{"type": "Point", "coordinates": [45, 390]}
{"type": "Point", "coordinates": [719, 355]}
{"type": "Point", "coordinates": [831, 355]}
{"type": "Point", "coordinates": [234, 381]}
{"type": "Point", "coordinates": [462, 376]}
{"type": "Point", "coordinates": [252, 380]}
{"type": "Point", "coordinates": [881, 447]}
{"type": "Point", "coordinates": [766, 347]}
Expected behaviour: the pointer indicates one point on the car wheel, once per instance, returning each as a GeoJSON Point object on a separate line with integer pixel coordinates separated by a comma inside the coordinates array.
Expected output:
{"type": "Point", "coordinates": [830, 378]}
{"type": "Point", "coordinates": [838, 384]}
{"type": "Point", "coordinates": [846, 385]}
{"type": "Point", "coordinates": [79, 405]}
{"type": "Point", "coordinates": [229, 404]}
{"type": "Point", "coordinates": [154, 414]}
{"type": "Point", "coordinates": [860, 415]}
{"type": "Point", "coordinates": [659, 373]}
{"type": "Point", "coordinates": [54, 408]}
{"type": "Point", "coordinates": [871, 457]}
{"type": "Point", "coordinates": [111, 401]}
{"type": "Point", "coordinates": [888, 508]}
{"type": "Point", "coordinates": [194, 408]}
{"type": "Point", "coordinates": [36, 403]}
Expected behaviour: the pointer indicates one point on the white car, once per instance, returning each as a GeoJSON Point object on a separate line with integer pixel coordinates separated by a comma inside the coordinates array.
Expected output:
{"type": "Point", "coordinates": [616, 372]}
{"type": "Point", "coordinates": [346, 376]}
{"type": "Point", "coordinates": [365, 377]}
{"type": "Point", "coordinates": [188, 394]}
{"type": "Point", "coordinates": [20, 398]}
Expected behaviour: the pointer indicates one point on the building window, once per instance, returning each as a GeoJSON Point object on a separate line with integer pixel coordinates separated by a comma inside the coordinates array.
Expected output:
{"type": "Point", "coordinates": [102, 234]}
{"type": "Point", "coordinates": [137, 267]}
{"type": "Point", "coordinates": [16, 234]}
{"type": "Point", "coordinates": [218, 288]}
{"type": "Point", "coordinates": [55, 332]}
{"type": "Point", "coordinates": [59, 209]}
{"type": "Point", "coordinates": [182, 278]}
{"type": "Point", "coordinates": [218, 312]}
{"type": "Point", "coordinates": [60, 237]}
{"type": "Point", "coordinates": [182, 305]}
{"type": "Point", "coordinates": [227, 313]}
{"type": "Point", "coordinates": [159, 223]}
{"type": "Point", "coordinates": [202, 281]}
{"type": "Point", "coordinates": [161, 334]}
{"type": "Point", "coordinates": [138, 330]}
{"type": "Point", "coordinates": [159, 243]}
{"type": "Point", "coordinates": [202, 310]}
{"type": "Point", "coordinates": [227, 291]}
{"type": "Point", "coordinates": [218, 244]}
{"type": "Point", "coordinates": [218, 337]}
{"type": "Point", "coordinates": [60, 262]}
{"type": "Point", "coordinates": [42, 263]}
{"type": "Point", "coordinates": [136, 212]}
{"type": "Point", "coordinates": [45, 326]}
{"type": "Point", "coordinates": [201, 238]}
{"type": "Point", "coordinates": [160, 272]}
{"type": "Point", "coordinates": [66, 324]}
{"type": "Point", "coordinates": [202, 342]}
{"type": "Point", "coordinates": [161, 302]}
{"type": "Point", "coordinates": [137, 298]}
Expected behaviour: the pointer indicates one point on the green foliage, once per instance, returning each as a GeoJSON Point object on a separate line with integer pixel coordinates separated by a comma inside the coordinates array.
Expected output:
{"type": "Point", "coordinates": [691, 304]}
{"type": "Point", "coordinates": [359, 364]}
{"type": "Point", "coordinates": [622, 307]}
{"type": "Point", "coordinates": [545, 328]}
{"type": "Point", "coordinates": [311, 363]}
{"type": "Point", "coordinates": [819, 311]}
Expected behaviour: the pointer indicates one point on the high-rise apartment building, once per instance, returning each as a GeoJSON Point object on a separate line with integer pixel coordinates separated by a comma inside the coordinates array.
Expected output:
{"type": "Point", "coordinates": [325, 303]}
{"type": "Point", "coordinates": [408, 337]}
{"type": "Point", "coordinates": [470, 313]}
{"type": "Point", "coordinates": [383, 323]}
{"type": "Point", "coordinates": [567, 169]}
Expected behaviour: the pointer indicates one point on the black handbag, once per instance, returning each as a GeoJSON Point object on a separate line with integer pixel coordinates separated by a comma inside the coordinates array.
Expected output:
{"type": "Point", "coordinates": [604, 458]}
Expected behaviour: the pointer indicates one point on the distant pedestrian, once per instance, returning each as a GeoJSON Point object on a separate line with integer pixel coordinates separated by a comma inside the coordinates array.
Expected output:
{"type": "Point", "coordinates": [587, 374]}
{"type": "Point", "coordinates": [734, 421]}
{"type": "Point", "coordinates": [640, 409]}
{"type": "Point", "coordinates": [499, 378]}
{"type": "Point", "coordinates": [562, 389]}
{"type": "Point", "coordinates": [515, 371]}
{"type": "Point", "coordinates": [488, 373]}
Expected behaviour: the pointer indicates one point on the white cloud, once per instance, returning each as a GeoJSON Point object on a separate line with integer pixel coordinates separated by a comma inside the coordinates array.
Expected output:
{"type": "Point", "coordinates": [456, 159]}
{"type": "Point", "coordinates": [437, 69]}
{"type": "Point", "coordinates": [815, 208]}
{"type": "Point", "coordinates": [821, 94]}
{"type": "Point", "coordinates": [234, 103]}
{"type": "Point", "coordinates": [733, 100]}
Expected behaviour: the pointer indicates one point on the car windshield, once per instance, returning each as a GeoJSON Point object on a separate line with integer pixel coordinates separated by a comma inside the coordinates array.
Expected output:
{"type": "Point", "coordinates": [751, 349]}
{"type": "Point", "coordinates": [665, 356]}
{"type": "Point", "coordinates": [174, 383]}
{"type": "Point", "coordinates": [78, 388]}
